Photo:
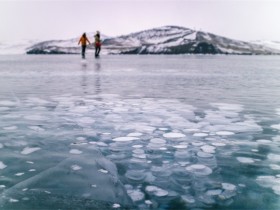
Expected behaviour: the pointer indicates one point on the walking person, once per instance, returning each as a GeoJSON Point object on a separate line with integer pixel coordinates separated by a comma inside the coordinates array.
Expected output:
{"type": "Point", "coordinates": [97, 43]}
{"type": "Point", "coordinates": [83, 41]}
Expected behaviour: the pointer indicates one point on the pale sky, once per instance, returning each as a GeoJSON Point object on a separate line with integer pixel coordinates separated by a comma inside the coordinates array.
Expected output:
{"type": "Point", "coordinates": [62, 19]}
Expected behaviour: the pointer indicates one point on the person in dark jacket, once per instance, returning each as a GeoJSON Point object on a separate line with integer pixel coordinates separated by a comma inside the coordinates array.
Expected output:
{"type": "Point", "coordinates": [83, 41]}
{"type": "Point", "coordinates": [97, 43]}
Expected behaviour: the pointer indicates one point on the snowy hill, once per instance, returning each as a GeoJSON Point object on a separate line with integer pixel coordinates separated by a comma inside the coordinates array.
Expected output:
{"type": "Point", "coordinates": [161, 40]}
{"type": "Point", "coordinates": [267, 43]}
{"type": "Point", "coordinates": [20, 47]}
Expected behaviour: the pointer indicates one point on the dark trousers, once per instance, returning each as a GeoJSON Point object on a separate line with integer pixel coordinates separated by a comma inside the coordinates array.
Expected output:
{"type": "Point", "coordinates": [97, 50]}
{"type": "Point", "coordinates": [84, 51]}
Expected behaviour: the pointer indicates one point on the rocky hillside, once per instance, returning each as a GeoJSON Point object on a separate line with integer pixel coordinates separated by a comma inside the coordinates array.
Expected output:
{"type": "Point", "coordinates": [162, 40]}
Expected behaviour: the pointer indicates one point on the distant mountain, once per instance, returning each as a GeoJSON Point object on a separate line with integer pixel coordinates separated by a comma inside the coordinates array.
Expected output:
{"type": "Point", "coordinates": [162, 40]}
{"type": "Point", "coordinates": [18, 47]}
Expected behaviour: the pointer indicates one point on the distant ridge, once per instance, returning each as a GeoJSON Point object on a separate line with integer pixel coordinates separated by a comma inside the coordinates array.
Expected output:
{"type": "Point", "coordinates": [160, 40]}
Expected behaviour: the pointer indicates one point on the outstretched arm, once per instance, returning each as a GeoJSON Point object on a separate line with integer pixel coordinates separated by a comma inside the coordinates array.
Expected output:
{"type": "Point", "coordinates": [88, 41]}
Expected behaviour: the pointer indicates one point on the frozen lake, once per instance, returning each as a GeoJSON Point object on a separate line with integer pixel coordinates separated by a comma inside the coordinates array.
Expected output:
{"type": "Point", "coordinates": [140, 132]}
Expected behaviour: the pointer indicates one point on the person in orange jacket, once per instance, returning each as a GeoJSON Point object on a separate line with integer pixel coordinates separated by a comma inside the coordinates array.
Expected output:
{"type": "Point", "coordinates": [84, 40]}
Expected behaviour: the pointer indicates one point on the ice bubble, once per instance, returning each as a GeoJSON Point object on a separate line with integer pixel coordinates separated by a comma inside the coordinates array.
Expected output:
{"type": "Point", "coordinates": [200, 134]}
{"type": "Point", "coordinates": [228, 186]}
{"type": "Point", "coordinates": [214, 192]}
{"type": "Point", "coordinates": [13, 200]}
{"type": "Point", "coordinates": [2, 165]}
{"type": "Point", "coordinates": [80, 138]}
{"type": "Point", "coordinates": [274, 157]}
{"type": "Point", "coordinates": [138, 151]}
{"type": "Point", "coordinates": [125, 138]}
{"type": "Point", "coordinates": [199, 169]}
{"type": "Point", "coordinates": [156, 191]}
{"type": "Point", "coordinates": [135, 134]}
{"type": "Point", "coordinates": [137, 146]}
{"type": "Point", "coordinates": [136, 195]}
{"type": "Point", "coordinates": [188, 199]}
{"type": "Point", "coordinates": [163, 129]}
{"type": "Point", "coordinates": [197, 144]}
{"type": "Point", "coordinates": [148, 202]}
{"type": "Point", "coordinates": [19, 174]}
{"type": "Point", "coordinates": [30, 162]}
{"type": "Point", "coordinates": [218, 144]}
{"type": "Point", "coordinates": [135, 175]}
{"type": "Point", "coordinates": [25, 189]}
{"type": "Point", "coordinates": [276, 189]}
{"type": "Point", "coordinates": [224, 133]}
{"type": "Point", "coordinates": [32, 170]}
{"type": "Point", "coordinates": [76, 167]}
{"type": "Point", "coordinates": [245, 160]}
{"type": "Point", "coordinates": [29, 150]}
{"type": "Point", "coordinates": [276, 126]}
{"type": "Point", "coordinates": [101, 144]}
{"type": "Point", "coordinates": [116, 205]}
{"type": "Point", "coordinates": [103, 171]}
{"type": "Point", "coordinates": [208, 149]}
{"type": "Point", "coordinates": [2, 186]}
{"type": "Point", "coordinates": [180, 146]}
{"type": "Point", "coordinates": [158, 141]}
{"type": "Point", "coordinates": [274, 167]}
{"type": "Point", "coordinates": [75, 151]}
{"type": "Point", "coordinates": [1, 146]}
{"type": "Point", "coordinates": [204, 155]}
{"type": "Point", "coordinates": [36, 128]}
{"type": "Point", "coordinates": [174, 135]}
{"type": "Point", "coordinates": [10, 128]}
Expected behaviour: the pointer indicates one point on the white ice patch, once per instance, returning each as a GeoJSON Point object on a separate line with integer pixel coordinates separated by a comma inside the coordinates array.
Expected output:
{"type": "Point", "coordinates": [270, 182]}
{"type": "Point", "coordinates": [136, 195]}
{"type": "Point", "coordinates": [103, 171]}
{"type": "Point", "coordinates": [224, 133]}
{"type": "Point", "coordinates": [4, 109]}
{"type": "Point", "coordinates": [116, 205]}
{"type": "Point", "coordinates": [228, 186]}
{"type": "Point", "coordinates": [274, 167]}
{"type": "Point", "coordinates": [2, 165]}
{"type": "Point", "coordinates": [29, 150]}
{"type": "Point", "coordinates": [274, 157]}
{"type": "Point", "coordinates": [208, 149]}
{"type": "Point", "coordinates": [76, 167]}
{"type": "Point", "coordinates": [125, 138]}
{"type": "Point", "coordinates": [36, 128]}
{"type": "Point", "coordinates": [156, 191]}
{"type": "Point", "coordinates": [75, 151]}
{"type": "Point", "coordinates": [180, 146]}
{"type": "Point", "coordinates": [10, 128]}
{"type": "Point", "coordinates": [174, 135]}
{"type": "Point", "coordinates": [218, 144]}
{"type": "Point", "coordinates": [199, 169]}
{"type": "Point", "coordinates": [276, 126]}
{"type": "Point", "coordinates": [264, 141]}
{"type": "Point", "coordinates": [228, 107]}
{"type": "Point", "coordinates": [245, 160]}
{"type": "Point", "coordinates": [2, 186]}
{"type": "Point", "coordinates": [135, 134]}
{"type": "Point", "coordinates": [19, 174]}
{"type": "Point", "coordinates": [200, 134]}
{"type": "Point", "coordinates": [1, 146]}
{"type": "Point", "coordinates": [13, 200]}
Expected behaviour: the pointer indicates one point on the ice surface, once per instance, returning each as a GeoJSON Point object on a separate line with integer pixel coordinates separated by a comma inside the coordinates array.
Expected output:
{"type": "Point", "coordinates": [29, 150]}
{"type": "Point", "coordinates": [274, 157]}
{"type": "Point", "coordinates": [224, 133]}
{"type": "Point", "coordinates": [75, 151]}
{"type": "Point", "coordinates": [277, 126]}
{"type": "Point", "coordinates": [10, 128]}
{"type": "Point", "coordinates": [199, 169]}
{"type": "Point", "coordinates": [136, 195]}
{"type": "Point", "coordinates": [76, 167]}
{"type": "Point", "coordinates": [157, 191]}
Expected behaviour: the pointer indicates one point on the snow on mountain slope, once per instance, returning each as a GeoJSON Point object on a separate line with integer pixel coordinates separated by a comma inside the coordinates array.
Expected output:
{"type": "Point", "coordinates": [161, 40]}
{"type": "Point", "coordinates": [267, 43]}
{"type": "Point", "coordinates": [7, 48]}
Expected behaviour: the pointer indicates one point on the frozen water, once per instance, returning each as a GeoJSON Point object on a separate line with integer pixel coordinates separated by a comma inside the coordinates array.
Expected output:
{"type": "Point", "coordinates": [181, 138]}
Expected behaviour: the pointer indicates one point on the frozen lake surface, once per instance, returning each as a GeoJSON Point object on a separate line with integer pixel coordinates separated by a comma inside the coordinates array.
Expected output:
{"type": "Point", "coordinates": [140, 132]}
